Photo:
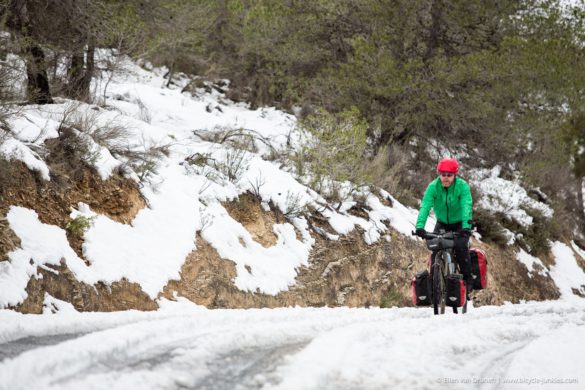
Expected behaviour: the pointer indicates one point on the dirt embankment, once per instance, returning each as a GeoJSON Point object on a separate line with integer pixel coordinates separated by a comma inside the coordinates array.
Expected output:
{"type": "Point", "coordinates": [346, 272]}
{"type": "Point", "coordinates": [118, 198]}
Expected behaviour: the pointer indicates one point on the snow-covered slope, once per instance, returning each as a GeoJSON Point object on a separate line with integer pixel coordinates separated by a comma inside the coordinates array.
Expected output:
{"type": "Point", "coordinates": [185, 198]}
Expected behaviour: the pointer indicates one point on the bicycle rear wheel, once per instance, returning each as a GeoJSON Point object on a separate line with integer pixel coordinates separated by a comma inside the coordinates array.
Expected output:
{"type": "Point", "coordinates": [438, 289]}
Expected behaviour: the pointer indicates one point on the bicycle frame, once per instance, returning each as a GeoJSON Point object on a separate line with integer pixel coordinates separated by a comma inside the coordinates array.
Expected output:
{"type": "Point", "coordinates": [442, 243]}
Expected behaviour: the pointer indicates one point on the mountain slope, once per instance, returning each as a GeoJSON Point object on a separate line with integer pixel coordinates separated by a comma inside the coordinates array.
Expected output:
{"type": "Point", "coordinates": [161, 192]}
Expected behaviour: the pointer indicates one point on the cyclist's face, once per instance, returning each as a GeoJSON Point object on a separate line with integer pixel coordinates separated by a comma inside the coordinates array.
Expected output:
{"type": "Point", "coordinates": [447, 179]}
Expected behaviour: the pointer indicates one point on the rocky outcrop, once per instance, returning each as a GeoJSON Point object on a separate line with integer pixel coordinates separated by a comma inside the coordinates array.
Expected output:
{"type": "Point", "coordinates": [60, 283]}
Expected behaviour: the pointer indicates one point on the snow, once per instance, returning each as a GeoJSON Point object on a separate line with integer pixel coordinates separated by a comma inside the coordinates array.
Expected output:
{"type": "Point", "coordinates": [185, 199]}
{"type": "Point", "coordinates": [529, 261]}
{"type": "Point", "coordinates": [153, 248]}
{"type": "Point", "coordinates": [52, 305]}
{"type": "Point", "coordinates": [578, 250]}
{"type": "Point", "coordinates": [41, 244]}
{"type": "Point", "coordinates": [14, 149]}
{"type": "Point", "coordinates": [558, 356]}
{"type": "Point", "coordinates": [566, 273]}
{"type": "Point", "coordinates": [505, 196]}
{"type": "Point", "coordinates": [184, 346]}
{"type": "Point", "coordinates": [403, 218]}
{"type": "Point", "coordinates": [235, 243]}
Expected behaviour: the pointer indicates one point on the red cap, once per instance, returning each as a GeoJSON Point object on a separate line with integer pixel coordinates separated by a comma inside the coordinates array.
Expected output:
{"type": "Point", "coordinates": [448, 165]}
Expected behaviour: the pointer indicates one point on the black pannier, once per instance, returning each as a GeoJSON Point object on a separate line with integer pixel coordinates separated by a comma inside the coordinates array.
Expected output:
{"type": "Point", "coordinates": [456, 293]}
{"type": "Point", "coordinates": [421, 289]}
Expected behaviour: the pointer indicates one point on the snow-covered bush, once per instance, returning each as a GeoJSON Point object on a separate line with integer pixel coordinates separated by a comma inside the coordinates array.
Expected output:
{"type": "Point", "coordinates": [108, 133]}
{"type": "Point", "coordinates": [144, 158]}
{"type": "Point", "coordinates": [294, 206]}
{"type": "Point", "coordinates": [234, 165]}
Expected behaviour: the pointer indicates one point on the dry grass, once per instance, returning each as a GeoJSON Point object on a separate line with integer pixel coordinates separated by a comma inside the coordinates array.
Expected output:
{"type": "Point", "coordinates": [111, 133]}
{"type": "Point", "coordinates": [388, 170]}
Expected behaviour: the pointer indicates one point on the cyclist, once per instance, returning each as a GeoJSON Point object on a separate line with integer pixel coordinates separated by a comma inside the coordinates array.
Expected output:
{"type": "Point", "coordinates": [449, 196]}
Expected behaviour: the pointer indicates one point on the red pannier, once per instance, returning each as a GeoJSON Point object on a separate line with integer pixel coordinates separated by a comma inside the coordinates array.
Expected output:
{"type": "Point", "coordinates": [478, 268]}
{"type": "Point", "coordinates": [456, 294]}
{"type": "Point", "coordinates": [421, 289]}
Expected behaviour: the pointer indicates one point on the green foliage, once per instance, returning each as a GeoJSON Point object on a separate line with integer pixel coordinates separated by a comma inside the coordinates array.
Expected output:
{"type": "Point", "coordinates": [539, 234]}
{"type": "Point", "coordinates": [79, 225]}
{"type": "Point", "coordinates": [504, 78]}
{"type": "Point", "coordinates": [489, 226]}
{"type": "Point", "coordinates": [124, 26]}
{"type": "Point", "coordinates": [335, 149]}
{"type": "Point", "coordinates": [392, 298]}
{"type": "Point", "coordinates": [574, 138]}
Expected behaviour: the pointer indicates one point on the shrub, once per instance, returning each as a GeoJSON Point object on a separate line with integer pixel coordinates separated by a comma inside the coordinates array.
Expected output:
{"type": "Point", "coordinates": [391, 298]}
{"type": "Point", "coordinates": [335, 147]}
{"type": "Point", "coordinates": [70, 153]}
{"type": "Point", "coordinates": [4, 135]}
{"type": "Point", "coordinates": [234, 165]}
{"type": "Point", "coordinates": [538, 235]}
{"type": "Point", "coordinates": [145, 114]}
{"type": "Point", "coordinates": [389, 170]}
{"type": "Point", "coordinates": [237, 138]}
{"type": "Point", "coordinates": [79, 225]}
{"type": "Point", "coordinates": [294, 207]}
{"type": "Point", "coordinates": [489, 226]}
{"type": "Point", "coordinates": [144, 158]}
{"type": "Point", "coordinates": [110, 133]}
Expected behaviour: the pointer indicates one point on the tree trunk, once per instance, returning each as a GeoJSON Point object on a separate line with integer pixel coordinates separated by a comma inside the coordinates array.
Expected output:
{"type": "Point", "coordinates": [80, 74]}
{"type": "Point", "coordinates": [38, 90]}
{"type": "Point", "coordinates": [36, 67]}
{"type": "Point", "coordinates": [170, 74]}
{"type": "Point", "coordinates": [581, 206]}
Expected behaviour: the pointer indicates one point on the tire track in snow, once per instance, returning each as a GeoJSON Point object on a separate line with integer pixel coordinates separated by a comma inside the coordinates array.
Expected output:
{"type": "Point", "coordinates": [497, 367]}
{"type": "Point", "coordinates": [247, 368]}
{"type": "Point", "coordinates": [14, 348]}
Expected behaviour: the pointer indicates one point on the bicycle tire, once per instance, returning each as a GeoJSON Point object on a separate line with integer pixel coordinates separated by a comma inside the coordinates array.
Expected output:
{"type": "Point", "coordinates": [438, 289]}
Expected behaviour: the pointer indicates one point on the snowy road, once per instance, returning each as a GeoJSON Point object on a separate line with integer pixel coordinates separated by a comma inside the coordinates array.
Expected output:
{"type": "Point", "coordinates": [534, 345]}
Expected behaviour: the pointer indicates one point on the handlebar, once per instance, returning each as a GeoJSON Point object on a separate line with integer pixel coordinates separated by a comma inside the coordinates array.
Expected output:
{"type": "Point", "coordinates": [447, 235]}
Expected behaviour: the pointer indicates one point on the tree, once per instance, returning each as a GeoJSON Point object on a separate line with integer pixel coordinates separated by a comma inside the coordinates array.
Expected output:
{"type": "Point", "coordinates": [21, 22]}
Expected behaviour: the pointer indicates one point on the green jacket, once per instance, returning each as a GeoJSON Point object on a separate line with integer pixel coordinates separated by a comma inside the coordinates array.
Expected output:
{"type": "Point", "coordinates": [452, 204]}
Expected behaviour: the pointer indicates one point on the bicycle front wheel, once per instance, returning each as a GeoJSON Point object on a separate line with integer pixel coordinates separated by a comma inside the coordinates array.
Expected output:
{"type": "Point", "coordinates": [438, 289]}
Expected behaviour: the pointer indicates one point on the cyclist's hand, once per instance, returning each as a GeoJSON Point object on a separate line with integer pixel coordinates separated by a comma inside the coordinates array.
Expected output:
{"type": "Point", "coordinates": [421, 232]}
{"type": "Point", "coordinates": [466, 232]}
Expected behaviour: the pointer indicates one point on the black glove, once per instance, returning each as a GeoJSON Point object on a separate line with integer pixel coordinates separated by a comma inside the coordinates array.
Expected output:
{"type": "Point", "coordinates": [421, 232]}
{"type": "Point", "coordinates": [466, 233]}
